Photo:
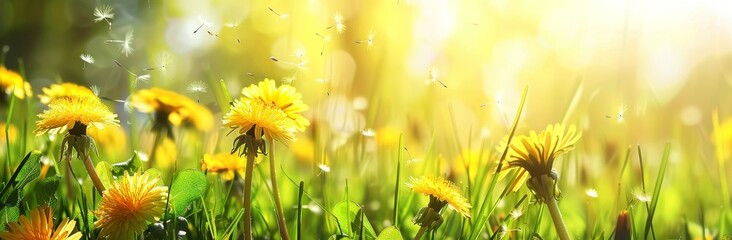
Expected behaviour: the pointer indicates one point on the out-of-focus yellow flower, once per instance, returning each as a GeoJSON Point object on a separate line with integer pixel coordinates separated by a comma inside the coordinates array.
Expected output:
{"type": "Point", "coordinates": [40, 227]}
{"type": "Point", "coordinates": [64, 113]}
{"type": "Point", "coordinates": [226, 164]}
{"type": "Point", "coordinates": [166, 153]}
{"type": "Point", "coordinates": [722, 138]}
{"type": "Point", "coordinates": [130, 205]}
{"type": "Point", "coordinates": [172, 108]}
{"type": "Point", "coordinates": [12, 133]}
{"type": "Point", "coordinates": [388, 136]}
{"type": "Point", "coordinates": [261, 119]}
{"type": "Point", "coordinates": [284, 97]}
{"type": "Point", "coordinates": [441, 192]}
{"type": "Point", "coordinates": [303, 150]}
{"type": "Point", "coordinates": [112, 139]}
{"type": "Point", "coordinates": [12, 83]}
{"type": "Point", "coordinates": [535, 153]}
{"type": "Point", "coordinates": [63, 90]}
{"type": "Point", "coordinates": [471, 158]}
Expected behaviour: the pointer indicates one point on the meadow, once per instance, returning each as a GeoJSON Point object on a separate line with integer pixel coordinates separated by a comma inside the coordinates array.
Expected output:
{"type": "Point", "coordinates": [384, 119]}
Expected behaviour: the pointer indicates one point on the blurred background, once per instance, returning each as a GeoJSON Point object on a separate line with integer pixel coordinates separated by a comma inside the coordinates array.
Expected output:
{"type": "Point", "coordinates": [436, 72]}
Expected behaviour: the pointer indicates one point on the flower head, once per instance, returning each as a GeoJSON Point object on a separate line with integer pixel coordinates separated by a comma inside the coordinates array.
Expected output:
{"type": "Point", "coordinates": [66, 112]}
{"type": "Point", "coordinates": [130, 205]}
{"type": "Point", "coordinates": [226, 164]}
{"type": "Point", "coordinates": [535, 153]}
{"type": "Point", "coordinates": [284, 97]}
{"type": "Point", "coordinates": [441, 192]}
{"type": "Point", "coordinates": [64, 90]}
{"type": "Point", "coordinates": [261, 120]}
{"type": "Point", "coordinates": [171, 108]}
{"type": "Point", "coordinates": [40, 227]}
{"type": "Point", "coordinates": [12, 83]}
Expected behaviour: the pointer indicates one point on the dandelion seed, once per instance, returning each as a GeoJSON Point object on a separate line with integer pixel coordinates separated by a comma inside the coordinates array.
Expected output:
{"type": "Point", "coordinates": [368, 132]}
{"type": "Point", "coordinates": [212, 34]}
{"type": "Point", "coordinates": [197, 87]}
{"type": "Point", "coordinates": [235, 26]}
{"type": "Point", "coordinates": [104, 12]}
{"type": "Point", "coordinates": [143, 78]}
{"type": "Point", "coordinates": [621, 114]}
{"type": "Point", "coordinates": [281, 16]}
{"type": "Point", "coordinates": [95, 90]}
{"type": "Point", "coordinates": [87, 59]}
{"type": "Point", "coordinates": [203, 23]}
{"type": "Point", "coordinates": [591, 192]}
{"type": "Point", "coordinates": [339, 25]}
{"type": "Point", "coordinates": [324, 168]}
{"type": "Point", "coordinates": [516, 213]}
{"type": "Point", "coordinates": [321, 80]}
{"type": "Point", "coordinates": [125, 45]}
{"type": "Point", "coordinates": [640, 195]}
{"type": "Point", "coordinates": [433, 78]}
{"type": "Point", "coordinates": [369, 41]}
{"type": "Point", "coordinates": [165, 60]}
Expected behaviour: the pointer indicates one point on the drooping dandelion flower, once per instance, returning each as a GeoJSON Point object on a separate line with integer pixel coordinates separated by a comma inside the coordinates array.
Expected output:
{"type": "Point", "coordinates": [39, 226]}
{"type": "Point", "coordinates": [535, 154]}
{"type": "Point", "coordinates": [12, 83]}
{"type": "Point", "coordinates": [172, 109]}
{"type": "Point", "coordinates": [64, 90]}
{"type": "Point", "coordinates": [284, 97]}
{"type": "Point", "coordinates": [76, 114]}
{"type": "Point", "coordinates": [130, 205]}
{"type": "Point", "coordinates": [442, 193]}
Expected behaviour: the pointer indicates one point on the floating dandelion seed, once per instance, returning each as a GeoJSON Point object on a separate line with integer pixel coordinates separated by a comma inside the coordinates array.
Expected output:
{"type": "Point", "coordinates": [203, 23]}
{"type": "Point", "coordinates": [339, 25]}
{"type": "Point", "coordinates": [143, 78]}
{"type": "Point", "coordinates": [104, 12]}
{"type": "Point", "coordinates": [165, 60]}
{"type": "Point", "coordinates": [281, 16]}
{"type": "Point", "coordinates": [369, 132]}
{"type": "Point", "coordinates": [125, 45]}
{"type": "Point", "coordinates": [235, 26]}
{"type": "Point", "coordinates": [324, 168]}
{"type": "Point", "coordinates": [212, 34]}
{"type": "Point", "coordinates": [87, 59]}
{"type": "Point", "coordinates": [641, 195]}
{"type": "Point", "coordinates": [434, 78]}
{"type": "Point", "coordinates": [138, 78]}
{"type": "Point", "coordinates": [95, 90]}
{"type": "Point", "coordinates": [621, 114]}
{"type": "Point", "coordinates": [591, 192]}
{"type": "Point", "coordinates": [516, 213]}
{"type": "Point", "coordinates": [369, 41]}
{"type": "Point", "coordinates": [197, 87]}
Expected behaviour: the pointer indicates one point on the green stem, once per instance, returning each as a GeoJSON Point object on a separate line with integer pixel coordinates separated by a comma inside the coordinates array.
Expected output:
{"type": "Point", "coordinates": [251, 157]}
{"type": "Point", "coordinates": [421, 232]}
{"type": "Point", "coordinates": [544, 186]}
{"type": "Point", "coordinates": [93, 174]}
{"type": "Point", "coordinates": [276, 193]}
{"type": "Point", "coordinates": [557, 218]}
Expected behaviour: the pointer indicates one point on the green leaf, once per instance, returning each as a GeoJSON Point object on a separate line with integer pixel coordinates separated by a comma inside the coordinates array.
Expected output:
{"type": "Point", "coordinates": [8, 214]}
{"type": "Point", "coordinates": [390, 233]}
{"type": "Point", "coordinates": [30, 171]}
{"type": "Point", "coordinates": [130, 166]}
{"type": "Point", "coordinates": [45, 191]}
{"type": "Point", "coordinates": [348, 215]}
{"type": "Point", "coordinates": [187, 187]}
{"type": "Point", "coordinates": [104, 170]}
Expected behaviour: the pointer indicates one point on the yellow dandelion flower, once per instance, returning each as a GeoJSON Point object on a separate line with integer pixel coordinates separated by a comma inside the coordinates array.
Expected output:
{"type": "Point", "coordinates": [111, 139]}
{"type": "Point", "coordinates": [130, 205]}
{"type": "Point", "coordinates": [261, 119]}
{"type": "Point", "coordinates": [284, 97]}
{"type": "Point", "coordinates": [63, 90]}
{"type": "Point", "coordinates": [722, 138]}
{"type": "Point", "coordinates": [172, 108]}
{"type": "Point", "coordinates": [226, 164]}
{"type": "Point", "coordinates": [64, 113]}
{"type": "Point", "coordinates": [166, 153]}
{"type": "Point", "coordinates": [12, 83]}
{"type": "Point", "coordinates": [535, 153]}
{"type": "Point", "coordinates": [40, 227]}
{"type": "Point", "coordinates": [441, 192]}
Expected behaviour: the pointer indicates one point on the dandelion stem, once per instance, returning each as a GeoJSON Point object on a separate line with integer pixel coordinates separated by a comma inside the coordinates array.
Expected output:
{"type": "Point", "coordinates": [93, 174]}
{"type": "Point", "coordinates": [251, 156]}
{"type": "Point", "coordinates": [421, 232]}
{"type": "Point", "coordinates": [544, 187]}
{"type": "Point", "coordinates": [276, 193]}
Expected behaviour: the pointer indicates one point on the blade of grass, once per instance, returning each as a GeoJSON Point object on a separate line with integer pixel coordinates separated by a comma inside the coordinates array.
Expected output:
{"type": "Point", "coordinates": [657, 190]}
{"type": "Point", "coordinates": [398, 182]}
{"type": "Point", "coordinates": [300, 191]}
{"type": "Point", "coordinates": [482, 216]}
